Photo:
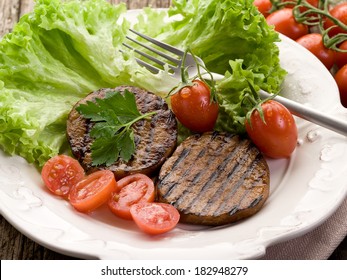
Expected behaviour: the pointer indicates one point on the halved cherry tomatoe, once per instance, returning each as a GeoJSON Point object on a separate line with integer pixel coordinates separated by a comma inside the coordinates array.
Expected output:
{"type": "Point", "coordinates": [155, 218]}
{"type": "Point", "coordinates": [132, 189]}
{"type": "Point", "coordinates": [60, 173]}
{"type": "Point", "coordinates": [92, 191]}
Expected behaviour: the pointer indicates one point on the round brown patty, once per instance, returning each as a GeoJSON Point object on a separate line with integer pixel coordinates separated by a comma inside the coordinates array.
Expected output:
{"type": "Point", "coordinates": [155, 139]}
{"type": "Point", "coordinates": [214, 179]}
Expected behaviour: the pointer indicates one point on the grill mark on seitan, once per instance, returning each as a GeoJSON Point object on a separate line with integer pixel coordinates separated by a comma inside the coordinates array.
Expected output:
{"type": "Point", "coordinates": [173, 191]}
{"type": "Point", "coordinates": [152, 136]}
{"type": "Point", "coordinates": [139, 126]}
{"type": "Point", "coordinates": [208, 195]}
{"type": "Point", "coordinates": [86, 139]}
{"type": "Point", "coordinates": [168, 189]}
{"type": "Point", "coordinates": [239, 191]}
{"type": "Point", "coordinates": [142, 128]}
{"type": "Point", "coordinates": [256, 201]}
{"type": "Point", "coordinates": [150, 139]}
{"type": "Point", "coordinates": [203, 186]}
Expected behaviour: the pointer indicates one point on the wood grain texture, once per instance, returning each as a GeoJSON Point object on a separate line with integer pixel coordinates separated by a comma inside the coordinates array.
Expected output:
{"type": "Point", "coordinates": [13, 244]}
{"type": "Point", "coordinates": [25, 7]}
{"type": "Point", "coordinates": [9, 15]}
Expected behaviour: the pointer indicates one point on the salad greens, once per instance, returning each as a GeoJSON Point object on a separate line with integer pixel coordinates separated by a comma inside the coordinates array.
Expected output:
{"type": "Point", "coordinates": [63, 50]}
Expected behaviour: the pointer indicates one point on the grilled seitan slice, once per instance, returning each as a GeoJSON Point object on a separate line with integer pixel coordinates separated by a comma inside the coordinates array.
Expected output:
{"type": "Point", "coordinates": [214, 179]}
{"type": "Point", "coordinates": [155, 139]}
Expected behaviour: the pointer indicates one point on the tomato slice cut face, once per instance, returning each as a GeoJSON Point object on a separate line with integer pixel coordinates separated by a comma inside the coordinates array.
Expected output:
{"type": "Point", "coordinates": [93, 191]}
{"type": "Point", "coordinates": [155, 218]}
{"type": "Point", "coordinates": [132, 189]}
{"type": "Point", "coordinates": [60, 173]}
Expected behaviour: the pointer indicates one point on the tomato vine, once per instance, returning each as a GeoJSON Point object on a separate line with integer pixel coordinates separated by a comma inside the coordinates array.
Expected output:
{"type": "Point", "coordinates": [310, 15]}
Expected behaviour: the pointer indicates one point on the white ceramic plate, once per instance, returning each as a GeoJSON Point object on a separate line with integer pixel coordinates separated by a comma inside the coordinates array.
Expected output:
{"type": "Point", "coordinates": [305, 191]}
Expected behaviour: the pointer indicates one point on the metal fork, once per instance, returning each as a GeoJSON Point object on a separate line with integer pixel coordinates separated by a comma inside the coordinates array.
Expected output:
{"type": "Point", "coordinates": [173, 58]}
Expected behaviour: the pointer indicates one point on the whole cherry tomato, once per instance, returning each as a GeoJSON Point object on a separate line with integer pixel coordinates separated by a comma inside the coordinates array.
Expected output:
{"type": "Point", "coordinates": [341, 80]}
{"type": "Point", "coordinates": [314, 43]}
{"type": "Point", "coordinates": [194, 108]}
{"type": "Point", "coordinates": [339, 12]}
{"type": "Point", "coordinates": [341, 57]}
{"type": "Point", "coordinates": [276, 135]}
{"type": "Point", "coordinates": [264, 6]}
{"type": "Point", "coordinates": [285, 23]}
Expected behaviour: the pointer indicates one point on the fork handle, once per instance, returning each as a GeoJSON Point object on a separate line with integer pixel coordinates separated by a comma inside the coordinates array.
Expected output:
{"type": "Point", "coordinates": [309, 114]}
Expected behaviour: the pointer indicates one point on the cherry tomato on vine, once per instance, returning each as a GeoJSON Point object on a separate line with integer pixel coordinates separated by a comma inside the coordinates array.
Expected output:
{"type": "Point", "coordinates": [341, 57]}
{"type": "Point", "coordinates": [132, 189]}
{"type": "Point", "coordinates": [339, 12]}
{"type": "Point", "coordinates": [314, 43]}
{"type": "Point", "coordinates": [263, 6]}
{"type": "Point", "coordinates": [155, 218]}
{"type": "Point", "coordinates": [60, 173]}
{"type": "Point", "coordinates": [194, 108]}
{"type": "Point", "coordinates": [276, 136]}
{"type": "Point", "coordinates": [341, 80]}
{"type": "Point", "coordinates": [285, 23]}
{"type": "Point", "coordinates": [93, 191]}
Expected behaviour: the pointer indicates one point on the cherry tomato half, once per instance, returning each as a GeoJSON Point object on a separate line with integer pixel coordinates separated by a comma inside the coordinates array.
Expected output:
{"type": "Point", "coordinates": [314, 43]}
{"type": "Point", "coordinates": [341, 80]}
{"type": "Point", "coordinates": [155, 218]}
{"type": "Point", "coordinates": [263, 6]}
{"type": "Point", "coordinates": [60, 173]}
{"type": "Point", "coordinates": [341, 57]}
{"type": "Point", "coordinates": [193, 107]}
{"type": "Point", "coordinates": [339, 12]}
{"type": "Point", "coordinates": [130, 190]}
{"type": "Point", "coordinates": [93, 191]}
{"type": "Point", "coordinates": [285, 23]}
{"type": "Point", "coordinates": [277, 136]}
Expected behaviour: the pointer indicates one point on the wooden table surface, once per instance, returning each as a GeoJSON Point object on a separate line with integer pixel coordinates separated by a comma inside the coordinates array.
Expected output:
{"type": "Point", "coordinates": [13, 244]}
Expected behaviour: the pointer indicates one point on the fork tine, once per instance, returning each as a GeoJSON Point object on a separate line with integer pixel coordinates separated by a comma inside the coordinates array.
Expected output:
{"type": "Point", "coordinates": [170, 58]}
{"type": "Point", "coordinates": [150, 67]}
{"type": "Point", "coordinates": [152, 58]}
{"type": "Point", "coordinates": [159, 44]}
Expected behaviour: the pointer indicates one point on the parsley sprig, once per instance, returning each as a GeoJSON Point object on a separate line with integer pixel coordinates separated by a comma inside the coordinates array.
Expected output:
{"type": "Point", "coordinates": [113, 116]}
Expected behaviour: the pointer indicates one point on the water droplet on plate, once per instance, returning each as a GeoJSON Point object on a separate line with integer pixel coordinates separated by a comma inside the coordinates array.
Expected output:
{"type": "Point", "coordinates": [327, 153]}
{"type": "Point", "coordinates": [300, 142]}
{"type": "Point", "coordinates": [305, 89]}
{"type": "Point", "coordinates": [313, 136]}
